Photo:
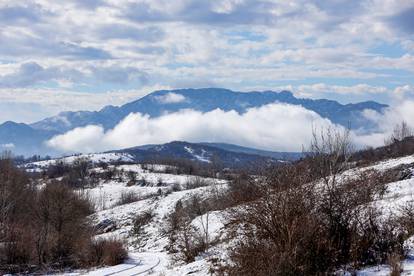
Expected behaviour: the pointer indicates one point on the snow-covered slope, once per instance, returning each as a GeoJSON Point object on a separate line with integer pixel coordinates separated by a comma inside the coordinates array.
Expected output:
{"type": "Point", "coordinates": [93, 157]}
{"type": "Point", "coordinates": [158, 195]}
{"type": "Point", "coordinates": [148, 253]}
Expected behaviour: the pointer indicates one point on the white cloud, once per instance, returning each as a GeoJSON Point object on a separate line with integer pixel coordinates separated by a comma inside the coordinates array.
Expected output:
{"type": "Point", "coordinates": [170, 98]}
{"type": "Point", "coordinates": [7, 146]}
{"type": "Point", "coordinates": [402, 92]}
{"type": "Point", "coordinates": [85, 139]}
{"type": "Point", "coordinates": [273, 127]}
{"type": "Point", "coordinates": [401, 111]}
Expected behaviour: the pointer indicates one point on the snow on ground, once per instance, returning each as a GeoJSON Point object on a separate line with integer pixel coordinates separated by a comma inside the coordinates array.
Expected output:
{"type": "Point", "coordinates": [153, 242]}
{"type": "Point", "coordinates": [155, 193]}
{"type": "Point", "coordinates": [152, 248]}
{"type": "Point", "coordinates": [212, 223]}
{"type": "Point", "coordinates": [147, 264]}
{"type": "Point", "coordinates": [161, 206]}
{"type": "Point", "coordinates": [397, 195]}
{"type": "Point", "coordinates": [201, 158]}
{"type": "Point", "coordinates": [94, 157]}
{"type": "Point", "coordinates": [107, 193]}
{"type": "Point", "coordinates": [392, 163]}
{"type": "Point", "coordinates": [379, 166]}
{"type": "Point", "coordinates": [149, 255]}
{"type": "Point", "coordinates": [158, 177]}
{"type": "Point", "coordinates": [137, 264]}
{"type": "Point", "coordinates": [384, 270]}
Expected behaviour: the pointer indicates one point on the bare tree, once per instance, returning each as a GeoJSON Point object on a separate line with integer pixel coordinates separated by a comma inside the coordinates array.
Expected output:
{"type": "Point", "coordinates": [204, 222]}
{"type": "Point", "coordinates": [329, 152]}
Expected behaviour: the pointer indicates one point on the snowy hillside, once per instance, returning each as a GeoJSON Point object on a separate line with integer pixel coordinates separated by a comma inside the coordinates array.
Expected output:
{"type": "Point", "coordinates": [93, 157]}
{"type": "Point", "coordinates": [157, 192]}
{"type": "Point", "coordinates": [158, 195]}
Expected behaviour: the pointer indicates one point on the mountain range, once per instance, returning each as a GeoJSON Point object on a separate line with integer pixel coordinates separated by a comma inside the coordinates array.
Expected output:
{"type": "Point", "coordinates": [29, 139]}
{"type": "Point", "coordinates": [223, 154]}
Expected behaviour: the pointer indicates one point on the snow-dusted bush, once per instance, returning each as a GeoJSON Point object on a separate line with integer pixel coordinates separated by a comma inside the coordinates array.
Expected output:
{"type": "Point", "coordinates": [107, 252]}
{"type": "Point", "coordinates": [128, 197]}
{"type": "Point", "coordinates": [186, 242]}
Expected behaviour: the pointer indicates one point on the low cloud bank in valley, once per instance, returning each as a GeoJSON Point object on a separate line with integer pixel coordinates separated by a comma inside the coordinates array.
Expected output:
{"type": "Point", "coordinates": [279, 127]}
{"type": "Point", "coordinates": [401, 111]}
{"type": "Point", "coordinates": [273, 126]}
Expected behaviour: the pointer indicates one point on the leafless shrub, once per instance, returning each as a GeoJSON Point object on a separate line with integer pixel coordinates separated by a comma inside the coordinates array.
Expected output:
{"type": "Point", "coordinates": [243, 188]}
{"type": "Point", "coordinates": [406, 218]}
{"type": "Point", "coordinates": [329, 153]}
{"type": "Point", "coordinates": [108, 252]}
{"type": "Point", "coordinates": [196, 182]}
{"type": "Point", "coordinates": [176, 187]}
{"type": "Point", "coordinates": [394, 261]}
{"type": "Point", "coordinates": [127, 197]}
{"type": "Point", "coordinates": [132, 178]}
{"type": "Point", "coordinates": [140, 221]}
{"type": "Point", "coordinates": [185, 241]}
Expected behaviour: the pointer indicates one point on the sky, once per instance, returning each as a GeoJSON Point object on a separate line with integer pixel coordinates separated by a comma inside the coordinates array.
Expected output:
{"type": "Point", "coordinates": [85, 54]}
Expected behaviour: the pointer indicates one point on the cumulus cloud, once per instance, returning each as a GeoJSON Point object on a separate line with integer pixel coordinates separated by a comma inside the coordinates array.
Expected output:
{"type": "Point", "coordinates": [273, 127]}
{"type": "Point", "coordinates": [170, 98]}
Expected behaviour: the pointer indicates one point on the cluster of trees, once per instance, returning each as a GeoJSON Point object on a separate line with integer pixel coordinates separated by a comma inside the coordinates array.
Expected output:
{"type": "Point", "coordinates": [48, 227]}
{"type": "Point", "coordinates": [79, 174]}
{"type": "Point", "coordinates": [184, 166]}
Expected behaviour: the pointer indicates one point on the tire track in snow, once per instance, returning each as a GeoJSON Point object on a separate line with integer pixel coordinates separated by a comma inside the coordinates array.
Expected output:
{"type": "Point", "coordinates": [135, 266]}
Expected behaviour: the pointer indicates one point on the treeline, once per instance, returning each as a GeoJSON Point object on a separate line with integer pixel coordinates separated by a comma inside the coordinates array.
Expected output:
{"type": "Point", "coordinates": [180, 166]}
{"type": "Point", "coordinates": [47, 228]}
